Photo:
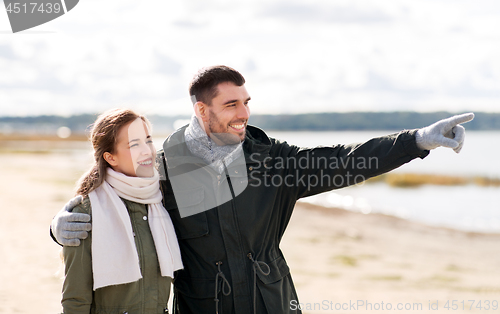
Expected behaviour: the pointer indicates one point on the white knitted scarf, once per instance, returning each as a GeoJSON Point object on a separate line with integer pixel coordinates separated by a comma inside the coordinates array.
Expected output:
{"type": "Point", "coordinates": [114, 255]}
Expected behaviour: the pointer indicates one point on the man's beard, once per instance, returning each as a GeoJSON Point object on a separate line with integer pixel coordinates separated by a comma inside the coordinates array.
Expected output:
{"type": "Point", "coordinates": [220, 134]}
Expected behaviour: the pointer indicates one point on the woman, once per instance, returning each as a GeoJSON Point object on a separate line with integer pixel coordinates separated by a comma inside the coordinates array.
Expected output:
{"type": "Point", "coordinates": [126, 264]}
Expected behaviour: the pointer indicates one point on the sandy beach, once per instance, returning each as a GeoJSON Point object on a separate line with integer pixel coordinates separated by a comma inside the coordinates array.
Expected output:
{"type": "Point", "coordinates": [341, 262]}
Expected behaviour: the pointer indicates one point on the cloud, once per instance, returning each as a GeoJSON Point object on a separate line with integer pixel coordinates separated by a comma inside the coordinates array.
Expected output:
{"type": "Point", "coordinates": [298, 56]}
{"type": "Point", "coordinates": [325, 13]}
{"type": "Point", "coordinates": [188, 24]}
{"type": "Point", "coordinates": [166, 65]}
{"type": "Point", "coordinates": [250, 66]}
{"type": "Point", "coordinates": [6, 51]}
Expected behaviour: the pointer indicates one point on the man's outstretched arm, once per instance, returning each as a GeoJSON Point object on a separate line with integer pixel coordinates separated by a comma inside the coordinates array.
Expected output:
{"type": "Point", "coordinates": [68, 228]}
{"type": "Point", "coordinates": [328, 168]}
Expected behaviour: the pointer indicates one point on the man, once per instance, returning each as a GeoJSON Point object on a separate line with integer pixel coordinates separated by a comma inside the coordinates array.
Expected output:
{"type": "Point", "coordinates": [229, 224]}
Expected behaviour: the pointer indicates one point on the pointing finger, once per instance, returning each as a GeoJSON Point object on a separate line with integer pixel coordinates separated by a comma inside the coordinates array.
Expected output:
{"type": "Point", "coordinates": [458, 119]}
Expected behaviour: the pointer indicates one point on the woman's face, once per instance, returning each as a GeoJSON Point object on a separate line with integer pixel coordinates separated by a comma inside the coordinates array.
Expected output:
{"type": "Point", "coordinates": [134, 151]}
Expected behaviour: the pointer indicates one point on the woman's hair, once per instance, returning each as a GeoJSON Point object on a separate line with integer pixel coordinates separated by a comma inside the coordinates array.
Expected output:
{"type": "Point", "coordinates": [103, 136]}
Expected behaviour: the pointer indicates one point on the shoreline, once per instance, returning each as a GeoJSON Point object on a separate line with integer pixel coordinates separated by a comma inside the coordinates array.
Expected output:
{"type": "Point", "coordinates": [389, 218]}
{"type": "Point", "coordinates": [381, 216]}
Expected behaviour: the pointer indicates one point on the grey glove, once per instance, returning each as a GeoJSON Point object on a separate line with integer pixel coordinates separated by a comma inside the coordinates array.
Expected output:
{"type": "Point", "coordinates": [446, 132]}
{"type": "Point", "coordinates": [68, 228]}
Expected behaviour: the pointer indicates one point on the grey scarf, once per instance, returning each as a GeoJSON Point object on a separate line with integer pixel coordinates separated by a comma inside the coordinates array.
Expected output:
{"type": "Point", "coordinates": [201, 145]}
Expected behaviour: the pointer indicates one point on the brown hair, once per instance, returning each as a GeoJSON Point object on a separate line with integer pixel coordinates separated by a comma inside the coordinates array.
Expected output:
{"type": "Point", "coordinates": [103, 136]}
{"type": "Point", "coordinates": [203, 86]}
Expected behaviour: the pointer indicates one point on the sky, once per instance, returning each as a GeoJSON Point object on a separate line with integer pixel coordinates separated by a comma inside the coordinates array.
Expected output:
{"type": "Point", "coordinates": [297, 56]}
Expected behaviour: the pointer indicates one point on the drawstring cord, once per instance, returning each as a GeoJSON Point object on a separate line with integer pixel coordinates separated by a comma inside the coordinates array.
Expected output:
{"type": "Point", "coordinates": [225, 284]}
{"type": "Point", "coordinates": [257, 267]}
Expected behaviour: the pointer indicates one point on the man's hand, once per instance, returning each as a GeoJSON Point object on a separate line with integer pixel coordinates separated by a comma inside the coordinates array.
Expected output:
{"type": "Point", "coordinates": [68, 228]}
{"type": "Point", "coordinates": [446, 132]}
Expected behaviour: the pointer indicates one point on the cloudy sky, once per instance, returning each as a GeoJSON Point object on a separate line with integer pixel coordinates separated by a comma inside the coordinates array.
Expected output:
{"type": "Point", "coordinates": [296, 55]}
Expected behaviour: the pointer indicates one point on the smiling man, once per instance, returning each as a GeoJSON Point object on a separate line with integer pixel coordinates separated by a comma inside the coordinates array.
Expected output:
{"type": "Point", "coordinates": [222, 109]}
{"type": "Point", "coordinates": [230, 195]}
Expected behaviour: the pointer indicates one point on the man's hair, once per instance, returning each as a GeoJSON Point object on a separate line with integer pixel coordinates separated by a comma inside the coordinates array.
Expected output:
{"type": "Point", "coordinates": [203, 86]}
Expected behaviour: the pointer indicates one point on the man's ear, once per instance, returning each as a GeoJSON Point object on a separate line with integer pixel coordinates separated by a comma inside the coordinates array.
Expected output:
{"type": "Point", "coordinates": [110, 159]}
{"type": "Point", "coordinates": [201, 109]}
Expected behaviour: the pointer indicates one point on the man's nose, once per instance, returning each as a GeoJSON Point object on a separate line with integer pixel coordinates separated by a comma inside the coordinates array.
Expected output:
{"type": "Point", "coordinates": [243, 112]}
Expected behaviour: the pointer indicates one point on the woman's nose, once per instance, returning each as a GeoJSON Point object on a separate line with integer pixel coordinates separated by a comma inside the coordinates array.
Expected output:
{"type": "Point", "coordinates": [146, 149]}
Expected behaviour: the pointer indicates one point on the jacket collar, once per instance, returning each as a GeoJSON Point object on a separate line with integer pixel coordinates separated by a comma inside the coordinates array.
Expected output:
{"type": "Point", "coordinates": [256, 147]}
{"type": "Point", "coordinates": [257, 144]}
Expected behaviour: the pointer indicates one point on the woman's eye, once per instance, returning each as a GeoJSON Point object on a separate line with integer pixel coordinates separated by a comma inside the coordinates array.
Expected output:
{"type": "Point", "coordinates": [135, 145]}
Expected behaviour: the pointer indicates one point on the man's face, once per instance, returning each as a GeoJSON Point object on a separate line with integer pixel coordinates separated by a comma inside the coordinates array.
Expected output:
{"type": "Point", "coordinates": [228, 115]}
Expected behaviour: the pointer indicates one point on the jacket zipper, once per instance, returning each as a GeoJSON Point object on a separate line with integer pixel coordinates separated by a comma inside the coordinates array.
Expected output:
{"type": "Point", "coordinates": [141, 260]}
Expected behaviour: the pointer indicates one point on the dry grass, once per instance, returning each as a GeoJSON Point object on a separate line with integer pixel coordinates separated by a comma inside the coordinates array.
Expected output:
{"type": "Point", "coordinates": [345, 260]}
{"type": "Point", "coordinates": [41, 144]}
{"type": "Point", "coordinates": [482, 181]}
{"type": "Point", "coordinates": [413, 180]}
{"type": "Point", "coordinates": [385, 277]}
{"type": "Point", "coordinates": [41, 137]}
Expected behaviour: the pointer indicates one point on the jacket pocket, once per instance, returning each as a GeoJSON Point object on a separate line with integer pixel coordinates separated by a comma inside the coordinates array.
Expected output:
{"type": "Point", "coordinates": [278, 269]}
{"type": "Point", "coordinates": [276, 289]}
{"type": "Point", "coordinates": [192, 226]}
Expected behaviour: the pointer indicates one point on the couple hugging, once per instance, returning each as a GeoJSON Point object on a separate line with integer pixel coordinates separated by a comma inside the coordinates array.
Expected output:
{"type": "Point", "coordinates": [194, 213]}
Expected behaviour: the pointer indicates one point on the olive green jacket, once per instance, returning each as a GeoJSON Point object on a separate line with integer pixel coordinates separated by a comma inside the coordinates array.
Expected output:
{"type": "Point", "coordinates": [147, 295]}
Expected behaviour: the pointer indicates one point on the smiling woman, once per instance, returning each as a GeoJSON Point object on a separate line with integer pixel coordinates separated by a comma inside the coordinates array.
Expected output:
{"type": "Point", "coordinates": [134, 153]}
{"type": "Point", "coordinates": [110, 140]}
{"type": "Point", "coordinates": [127, 262]}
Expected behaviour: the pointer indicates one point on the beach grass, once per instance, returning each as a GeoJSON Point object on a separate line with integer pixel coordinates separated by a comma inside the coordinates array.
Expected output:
{"type": "Point", "coordinates": [410, 180]}
{"type": "Point", "coordinates": [346, 260]}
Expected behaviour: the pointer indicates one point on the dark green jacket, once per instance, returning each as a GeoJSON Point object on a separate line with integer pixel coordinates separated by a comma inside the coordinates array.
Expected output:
{"type": "Point", "coordinates": [225, 248]}
{"type": "Point", "coordinates": [147, 295]}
